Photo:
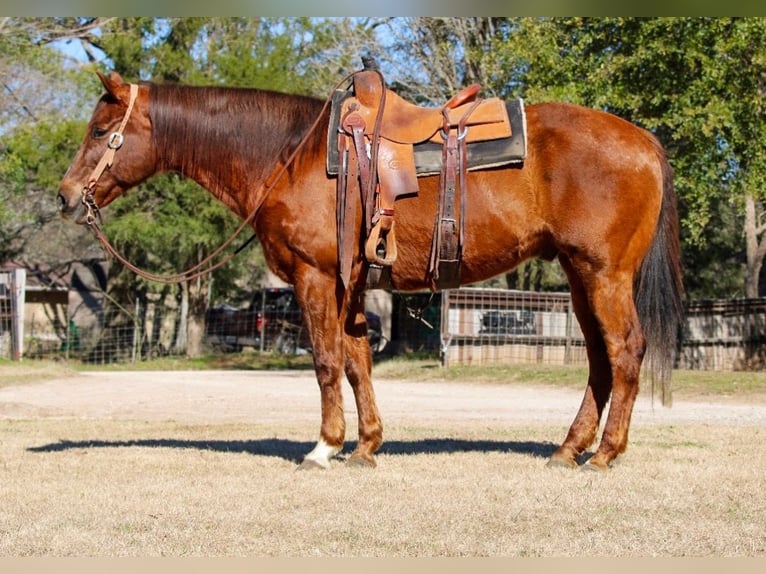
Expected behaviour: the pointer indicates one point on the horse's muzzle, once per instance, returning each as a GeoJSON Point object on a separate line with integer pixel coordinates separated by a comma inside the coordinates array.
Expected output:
{"type": "Point", "coordinates": [73, 211]}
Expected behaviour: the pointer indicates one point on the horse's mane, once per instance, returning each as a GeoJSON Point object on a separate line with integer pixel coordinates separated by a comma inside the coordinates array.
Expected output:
{"type": "Point", "coordinates": [230, 128]}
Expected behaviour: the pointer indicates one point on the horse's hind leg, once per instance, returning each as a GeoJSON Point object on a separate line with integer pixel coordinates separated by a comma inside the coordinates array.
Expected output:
{"type": "Point", "coordinates": [583, 431]}
{"type": "Point", "coordinates": [612, 301]}
{"type": "Point", "coordinates": [619, 353]}
{"type": "Point", "coordinates": [358, 368]}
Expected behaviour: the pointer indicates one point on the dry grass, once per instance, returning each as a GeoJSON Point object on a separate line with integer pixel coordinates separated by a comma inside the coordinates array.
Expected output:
{"type": "Point", "coordinates": [13, 373]}
{"type": "Point", "coordinates": [117, 488]}
{"type": "Point", "coordinates": [100, 486]}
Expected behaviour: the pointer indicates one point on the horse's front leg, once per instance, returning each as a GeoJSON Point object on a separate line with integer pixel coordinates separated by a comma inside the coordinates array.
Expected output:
{"type": "Point", "coordinates": [320, 314]}
{"type": "Point", "coordinates": [358, 368]}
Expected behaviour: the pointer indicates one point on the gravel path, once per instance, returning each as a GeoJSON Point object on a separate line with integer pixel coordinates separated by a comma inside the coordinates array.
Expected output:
{"type": "Point", "coordinates": [273, 397]}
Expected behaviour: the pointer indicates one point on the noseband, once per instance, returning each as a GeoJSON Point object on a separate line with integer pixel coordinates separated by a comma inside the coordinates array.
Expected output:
{"type": "Point", "coordinates": [113, 144]}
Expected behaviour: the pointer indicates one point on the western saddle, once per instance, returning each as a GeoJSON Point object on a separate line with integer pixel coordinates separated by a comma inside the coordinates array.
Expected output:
{"type": "Point", "coordinates": [375, 131]}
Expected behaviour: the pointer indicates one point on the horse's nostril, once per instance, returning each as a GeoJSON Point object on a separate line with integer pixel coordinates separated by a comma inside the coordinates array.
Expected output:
{"type": "Point", "coordinates": [62, 202]}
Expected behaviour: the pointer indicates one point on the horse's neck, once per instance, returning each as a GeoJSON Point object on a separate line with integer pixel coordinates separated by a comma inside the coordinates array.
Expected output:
{"type": "Point", "coordinates": [233, 180]}
{"type": "Point", "coordinates": [231, 155]}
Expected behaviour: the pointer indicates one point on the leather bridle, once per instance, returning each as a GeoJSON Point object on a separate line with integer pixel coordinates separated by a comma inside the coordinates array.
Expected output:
{"type": "Point", "coordinates": [107, 159]}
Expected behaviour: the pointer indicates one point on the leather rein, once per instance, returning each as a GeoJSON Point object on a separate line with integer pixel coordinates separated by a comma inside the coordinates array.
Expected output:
{"type": "Point", "coordinates": [93, 215]}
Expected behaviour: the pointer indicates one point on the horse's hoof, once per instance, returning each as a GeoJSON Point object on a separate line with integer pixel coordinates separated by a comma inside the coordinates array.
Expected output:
{"type": "Point", "coordinates": [561, 462]}
{"type": "Point", "coordinates": [361, 461]}
{"type": "Point", "coordinates": [590, 467]}
{"type": "Point", "coordinates": [310, 464]}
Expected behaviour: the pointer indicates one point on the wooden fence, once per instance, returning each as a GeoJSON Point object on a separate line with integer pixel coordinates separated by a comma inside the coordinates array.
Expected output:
{"type": "Point", "coordinates": [12, 292]}
{"type": "Point", "coordinates": [724, 335]}
{"type": "Point", "coordinates": [481, 326]}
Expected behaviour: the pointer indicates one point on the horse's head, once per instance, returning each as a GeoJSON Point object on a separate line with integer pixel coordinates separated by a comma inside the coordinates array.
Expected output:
{"type": "Point", "coordinates": [116, 154]}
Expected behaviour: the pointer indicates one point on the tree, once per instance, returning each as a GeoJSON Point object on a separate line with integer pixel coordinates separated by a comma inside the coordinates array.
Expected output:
{"type": "Point", "coordinates": [430, 59]}
{"type": "Point", "coordinates": [701, 94]}
{"type": "Point", "coordinates": [39, 133]}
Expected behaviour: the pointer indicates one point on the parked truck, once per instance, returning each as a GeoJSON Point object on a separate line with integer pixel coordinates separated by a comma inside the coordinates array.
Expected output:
{"type": "Point", "coordinates": [271, 322]}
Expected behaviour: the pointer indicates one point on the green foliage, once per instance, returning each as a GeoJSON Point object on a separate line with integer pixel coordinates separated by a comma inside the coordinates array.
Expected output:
{"type": "Point", "coordinates": [40, 153]}
{"type": "Point", "coordinates": [40, 127]}
{"type": "Point", "coordinates": [698, 83]}
{"type": "Point", "coordinates": [282, 54]}
{"type": "Point", "coordinates": [11, 185]}
{"type": "Point", "coordinates": [255, 53]}
{"type": "Point", "coordinates": [33, 159]}
{"type": "Point", "coordinates": [170, 224]}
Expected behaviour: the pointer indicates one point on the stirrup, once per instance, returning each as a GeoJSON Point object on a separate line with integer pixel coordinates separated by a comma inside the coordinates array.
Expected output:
{"type": "Point", "coordinates": [381, 249]}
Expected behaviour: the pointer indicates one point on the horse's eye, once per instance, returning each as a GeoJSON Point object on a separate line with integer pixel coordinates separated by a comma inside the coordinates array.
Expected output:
{"type": "Point", "coordinates": [98, 133]}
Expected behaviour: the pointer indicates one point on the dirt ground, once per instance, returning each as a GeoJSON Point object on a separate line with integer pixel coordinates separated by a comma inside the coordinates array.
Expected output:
{"type": "Point", "coordinates": [293, 396]}
{"type": "Point", "coordinates": [203, 464]}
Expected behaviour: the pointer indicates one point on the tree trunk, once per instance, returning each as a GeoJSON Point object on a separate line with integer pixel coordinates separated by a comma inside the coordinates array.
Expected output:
{"type": "Point", "coordinates": [198, 301]}
{"type": "Point", "coordinates": [180, 343]}
{"type": "Point", "coordinates": [755, 241]}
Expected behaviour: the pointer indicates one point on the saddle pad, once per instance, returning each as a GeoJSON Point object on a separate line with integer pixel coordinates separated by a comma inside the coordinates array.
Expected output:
{"type": "Point", "coordinates": [428, 155]}
{"type": "Point", "coordinates": [483, 154]}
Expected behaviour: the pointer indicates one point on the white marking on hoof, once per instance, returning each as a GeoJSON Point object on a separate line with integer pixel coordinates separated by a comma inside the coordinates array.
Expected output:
{"type": "Point", "coordinates": [321, 454]}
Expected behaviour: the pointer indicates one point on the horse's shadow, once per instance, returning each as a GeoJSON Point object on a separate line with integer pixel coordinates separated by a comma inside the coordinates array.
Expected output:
{"type": "Point", "coordinates": [294, 451]}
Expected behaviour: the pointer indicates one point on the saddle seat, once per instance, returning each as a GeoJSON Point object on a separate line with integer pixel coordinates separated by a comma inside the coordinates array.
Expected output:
{"type": "Point", "coordinates": [400, 125]}
{"type": "Point", "coordinates": [407, 123]}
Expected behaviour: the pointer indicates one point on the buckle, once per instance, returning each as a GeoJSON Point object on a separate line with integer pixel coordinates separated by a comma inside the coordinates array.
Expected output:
{"type": "Point", "coordinates": [115, 140]}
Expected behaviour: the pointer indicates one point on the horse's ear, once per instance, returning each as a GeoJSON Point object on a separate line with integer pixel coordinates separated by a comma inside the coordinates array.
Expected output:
{"type": "Point", "coordinates": [112, 83]}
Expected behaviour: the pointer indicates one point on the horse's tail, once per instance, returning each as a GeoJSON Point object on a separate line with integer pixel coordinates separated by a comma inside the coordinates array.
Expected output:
{"type": "Point", "coordinates": [659, 289]}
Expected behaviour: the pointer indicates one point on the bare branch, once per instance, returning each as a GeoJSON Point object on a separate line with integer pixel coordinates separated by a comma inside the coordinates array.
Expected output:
{"type": "Point", "coordinates": [18, 102]}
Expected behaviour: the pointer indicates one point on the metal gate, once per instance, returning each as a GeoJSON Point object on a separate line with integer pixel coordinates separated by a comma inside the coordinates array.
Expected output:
{"type": "Point", "coordinates": [481, 326]}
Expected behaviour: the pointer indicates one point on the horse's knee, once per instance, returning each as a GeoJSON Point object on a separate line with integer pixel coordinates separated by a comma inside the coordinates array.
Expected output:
{"type": "Point", "coordinates": [358, 365]}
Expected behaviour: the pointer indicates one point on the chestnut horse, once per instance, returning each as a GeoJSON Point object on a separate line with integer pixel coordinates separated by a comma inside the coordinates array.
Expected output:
{"type": "Point", "coordinates": [595, 191]}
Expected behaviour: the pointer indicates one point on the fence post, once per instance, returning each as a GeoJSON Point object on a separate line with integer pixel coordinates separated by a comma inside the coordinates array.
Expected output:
{"type": "Point", "coordinates": [136, 334]}
{"type": "Point", "coordinates": [445, 336]}
{"type": "Point", "coordinates": [18, 286]}
{"type": "Point", "coordinates": [568, 340]}
{"type": "Point", "coordinates": [263, 321]}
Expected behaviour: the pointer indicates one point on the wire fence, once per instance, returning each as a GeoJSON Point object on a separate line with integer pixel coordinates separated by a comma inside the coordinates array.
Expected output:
{"type": "Point", "coordinates": [124, 337]}
{"type": "Point", "coordinates": [467, 326]}
{"type": "Point", "coordinates": [484, 326]}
